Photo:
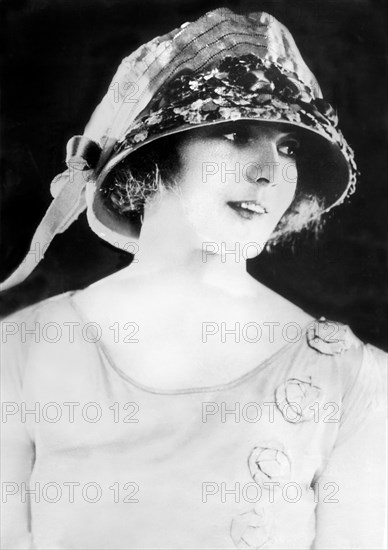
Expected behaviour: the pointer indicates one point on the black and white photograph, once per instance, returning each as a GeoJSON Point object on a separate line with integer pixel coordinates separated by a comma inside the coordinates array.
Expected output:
{"type": "Point", "coordinates": [193, 295]}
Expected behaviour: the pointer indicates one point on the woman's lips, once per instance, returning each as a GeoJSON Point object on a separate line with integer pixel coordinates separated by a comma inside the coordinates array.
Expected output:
{"type": "Point", "coordinates": [248, 209]}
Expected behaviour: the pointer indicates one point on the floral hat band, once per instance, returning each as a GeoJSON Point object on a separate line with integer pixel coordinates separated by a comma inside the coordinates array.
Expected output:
{"type": "Point", "coordinates": [220, 68]}
{"type": "Point", "coordinates": [239, 87]}
{"type": "Point", "coordinates": [247, 88]}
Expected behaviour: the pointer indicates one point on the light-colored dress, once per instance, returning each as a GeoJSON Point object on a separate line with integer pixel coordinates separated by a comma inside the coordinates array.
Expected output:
{"type": "Point", "coordinates": [115, 464]}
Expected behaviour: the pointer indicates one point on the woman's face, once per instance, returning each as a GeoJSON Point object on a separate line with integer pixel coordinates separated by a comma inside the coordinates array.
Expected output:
{"type": "Point", "coordinates": [236, 182]}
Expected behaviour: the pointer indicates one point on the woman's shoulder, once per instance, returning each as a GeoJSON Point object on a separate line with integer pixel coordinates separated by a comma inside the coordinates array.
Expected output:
{"type": "Point", "coordinates": [361, 370]}
{"type": "Point", "coordinates": [50, 321]}
{"type": "Point", "coordinates": [54, 307]}
{"type": "Point", "coordinates": [353, 357]}
{"type": "Point", "coordinates": [32, 336]}
{"type": "Point", "coordinates": [329, 351]}
{"type": "Point", "coordinates": [329, 339]}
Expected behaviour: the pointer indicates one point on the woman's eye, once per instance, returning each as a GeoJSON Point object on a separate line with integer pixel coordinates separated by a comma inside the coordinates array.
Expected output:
{"type": "Point", "coordinates": [289, 148]}
{"type": "Point", "coordinates": [231, 136]}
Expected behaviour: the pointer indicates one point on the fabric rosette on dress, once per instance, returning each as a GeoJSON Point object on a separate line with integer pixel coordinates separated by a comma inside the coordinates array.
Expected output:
{"type": "Point", "coordinates": [295, 399]}
{"type": "Point", "coordinates": [283, 502]}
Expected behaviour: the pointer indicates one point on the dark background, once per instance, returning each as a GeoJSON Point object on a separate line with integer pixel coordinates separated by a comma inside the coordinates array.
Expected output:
{"type": "Point", "coordinates": [58, 59]}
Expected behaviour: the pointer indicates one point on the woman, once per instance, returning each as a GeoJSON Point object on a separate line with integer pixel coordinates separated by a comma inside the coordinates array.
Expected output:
{"type": "Point", "coordinates": [184, 404]}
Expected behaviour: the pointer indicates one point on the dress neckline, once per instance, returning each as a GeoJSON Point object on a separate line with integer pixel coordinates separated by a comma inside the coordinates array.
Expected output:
{"type": "Point", "coordinates": [191, 390]}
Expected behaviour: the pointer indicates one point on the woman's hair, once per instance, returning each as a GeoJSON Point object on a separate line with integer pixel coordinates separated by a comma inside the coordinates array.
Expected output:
{"type": "Point", "coordinates": [139, 177]}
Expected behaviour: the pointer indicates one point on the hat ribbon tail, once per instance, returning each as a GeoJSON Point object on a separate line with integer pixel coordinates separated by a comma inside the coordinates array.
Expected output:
{"type": "Point", "coordinates": [65, 208]}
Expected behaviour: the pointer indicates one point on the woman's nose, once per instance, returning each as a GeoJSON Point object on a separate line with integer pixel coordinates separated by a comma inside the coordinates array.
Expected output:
{"type": "Point", "coordinates": [263, 170]}
{"type": "Point", "coordinates": [263, 181]}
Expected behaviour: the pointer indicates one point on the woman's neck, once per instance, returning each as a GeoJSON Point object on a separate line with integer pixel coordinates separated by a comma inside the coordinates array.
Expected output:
{"type": "Point", "coordinates": [169, 247]}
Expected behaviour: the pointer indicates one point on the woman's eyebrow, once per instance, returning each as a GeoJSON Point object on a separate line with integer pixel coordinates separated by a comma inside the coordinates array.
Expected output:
{"type": "Point", "coordinates": [290, 133]}
{"type": "Point", "coordinates": [287, 129]}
